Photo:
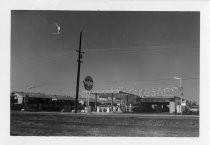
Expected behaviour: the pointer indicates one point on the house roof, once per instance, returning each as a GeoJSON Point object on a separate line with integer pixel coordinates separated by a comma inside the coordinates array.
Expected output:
{"type": "Point", "coordinates": [41, 95]}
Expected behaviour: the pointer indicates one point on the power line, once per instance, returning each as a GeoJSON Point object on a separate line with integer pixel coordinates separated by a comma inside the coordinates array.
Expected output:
{"type": "Point", "coordinates": [146, 80]}
{"type": "Point", "coordinates": [143, 80]}
{"type": "Point", "coordinates": [139, 49]}
{"type": "Point", "coordinates": [130, 52]}
{"type": "Point", "coordinates": [46, 59]}
{"type": "Point", "coordinates": [105, 51]}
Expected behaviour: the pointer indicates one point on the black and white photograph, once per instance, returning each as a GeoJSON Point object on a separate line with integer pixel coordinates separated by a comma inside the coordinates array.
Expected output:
{"type": "Point", "coordinates": [105, 73]}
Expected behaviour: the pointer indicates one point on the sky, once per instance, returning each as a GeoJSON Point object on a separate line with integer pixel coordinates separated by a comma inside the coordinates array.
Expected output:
{"type": "Point", "coordinates": [130, 49]}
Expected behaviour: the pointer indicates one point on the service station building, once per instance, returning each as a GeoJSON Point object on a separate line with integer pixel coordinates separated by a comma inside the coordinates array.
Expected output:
{"type": "Point", "coordinates": [100, 101]}
{"type": "Point", "coordinates": [129, 102]}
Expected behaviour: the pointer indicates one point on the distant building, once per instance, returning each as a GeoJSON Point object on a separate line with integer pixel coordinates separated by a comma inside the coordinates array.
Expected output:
{"type": "Point", "coordinates": [41, 102]}
{"type": "Point", "coordinates": [170, 104]}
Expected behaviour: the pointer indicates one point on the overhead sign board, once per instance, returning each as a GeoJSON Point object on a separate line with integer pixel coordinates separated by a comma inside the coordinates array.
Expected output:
{"type": "Point", "coordinates": [156, 99]}
{"type": "Point", "coordinates": [88, 83]}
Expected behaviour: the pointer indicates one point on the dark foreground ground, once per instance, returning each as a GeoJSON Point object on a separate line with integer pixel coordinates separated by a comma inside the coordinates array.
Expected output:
{"type": "Point", "coordinates": [68, 124]}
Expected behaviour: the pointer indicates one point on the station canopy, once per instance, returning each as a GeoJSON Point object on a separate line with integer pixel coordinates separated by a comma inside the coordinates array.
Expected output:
{"type": "Point", "coordinates": [115, 92]}
{"type": "Point", "coordinates": [106, 95]}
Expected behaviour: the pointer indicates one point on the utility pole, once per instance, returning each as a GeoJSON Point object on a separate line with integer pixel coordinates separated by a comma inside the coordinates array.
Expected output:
{"type": "Point", "coordinates": [78, 71]}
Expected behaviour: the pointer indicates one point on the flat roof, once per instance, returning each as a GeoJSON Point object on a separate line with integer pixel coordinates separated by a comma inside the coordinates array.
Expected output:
{"type": "Point", "coordinates": [41, 95]}
{"type": "Point", "coordinates": [109, 92]}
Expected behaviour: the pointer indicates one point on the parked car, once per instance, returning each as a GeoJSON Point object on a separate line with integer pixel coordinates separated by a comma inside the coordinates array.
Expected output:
{"type": "Point", "coordinates": [194, 110]}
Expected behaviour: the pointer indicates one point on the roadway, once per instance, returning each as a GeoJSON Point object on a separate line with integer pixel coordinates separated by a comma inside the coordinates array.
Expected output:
{"type": "Point", "coordinates": [100, 114]}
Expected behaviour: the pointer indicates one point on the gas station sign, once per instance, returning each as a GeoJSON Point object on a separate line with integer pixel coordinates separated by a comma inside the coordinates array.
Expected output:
{"type": "Point", "coordinates": [88, 83]}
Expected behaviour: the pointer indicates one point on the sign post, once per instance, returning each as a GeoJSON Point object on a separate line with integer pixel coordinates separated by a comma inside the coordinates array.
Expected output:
{"type": "Point", "coordinates": [88, 85]}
